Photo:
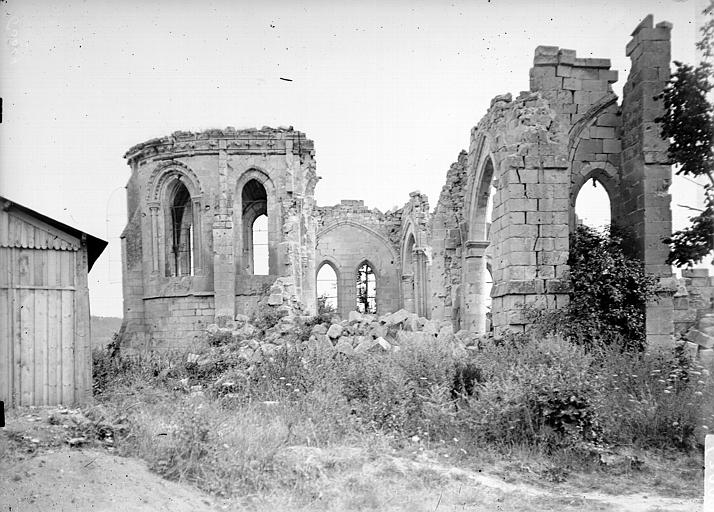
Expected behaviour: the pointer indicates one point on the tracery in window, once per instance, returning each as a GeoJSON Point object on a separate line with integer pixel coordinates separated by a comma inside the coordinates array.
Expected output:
{"type": "Point", "coordinates": [255, 228]}
{"type": "Point", "coordinates": [180, 236]}
{"type": "Point", "coordinates": [366, 289]}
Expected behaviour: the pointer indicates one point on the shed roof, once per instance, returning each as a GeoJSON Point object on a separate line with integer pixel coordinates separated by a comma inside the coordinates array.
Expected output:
{"type": "Point", "coordinates": [95, 246]}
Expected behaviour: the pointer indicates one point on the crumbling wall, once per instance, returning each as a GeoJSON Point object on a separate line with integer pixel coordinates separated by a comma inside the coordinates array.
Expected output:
{"type": "Point", "coordinates": [415, 254]}
{"type": "Point", "coordinates": [693, 298]}
{"type": "Point", "coordinates": [348, 235]}
{"type": "Point", "coordinates": [646, 172]}
{"type": "Point", "coordinates": [447, 245]}
{"type": "Point", "coordinates": [214, 166]}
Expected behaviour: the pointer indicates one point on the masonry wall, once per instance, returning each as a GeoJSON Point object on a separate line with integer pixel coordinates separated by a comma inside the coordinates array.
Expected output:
{"type": "Point", "coordinates": [693, 298]}
{"type": "Point", "coordinates": [350, 234]}
{"type": "Point", "coordinates": [507, 208]}
{"type": "Point", "coordinates": [537, 151]}
{"type": "Point", "coordinates": [164, 310]}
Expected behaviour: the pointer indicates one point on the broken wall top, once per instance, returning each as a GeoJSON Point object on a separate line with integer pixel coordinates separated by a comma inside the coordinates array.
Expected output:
{"type": "Point", "coordinates": [249, 141]}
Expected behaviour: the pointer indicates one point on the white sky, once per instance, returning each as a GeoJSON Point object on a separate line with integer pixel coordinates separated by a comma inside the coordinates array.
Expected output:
{"type": "Point", "coordinates": [387, 90]}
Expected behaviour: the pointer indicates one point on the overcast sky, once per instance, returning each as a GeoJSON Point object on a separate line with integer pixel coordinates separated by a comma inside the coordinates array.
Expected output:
{"type": "Point", "coordinates": [387, 90]}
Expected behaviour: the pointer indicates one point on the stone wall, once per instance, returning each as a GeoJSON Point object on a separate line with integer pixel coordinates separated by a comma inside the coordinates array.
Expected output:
{"type": "Point", "coordinates": [215, 167]}
{"type": "Point", "coordinates": [447, 245]}
{"type": "Point", "coordinates": [507, 207]}
{"type": "Point", "coordinates": [693, 299]}
{"type": "Point", "coordinates": [348, 235]}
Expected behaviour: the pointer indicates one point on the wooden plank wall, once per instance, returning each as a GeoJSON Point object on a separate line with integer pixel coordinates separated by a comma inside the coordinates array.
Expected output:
{"type": "Point", "coordinates": [45, 354]}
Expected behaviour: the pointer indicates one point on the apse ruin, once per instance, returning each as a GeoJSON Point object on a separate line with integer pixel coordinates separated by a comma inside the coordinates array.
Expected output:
{"type": "Point", "coordinates": [215, 218]}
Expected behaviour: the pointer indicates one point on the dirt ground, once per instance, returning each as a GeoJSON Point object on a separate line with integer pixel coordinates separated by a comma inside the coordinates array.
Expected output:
{"type": "Point", "coordinates": [45, 468]}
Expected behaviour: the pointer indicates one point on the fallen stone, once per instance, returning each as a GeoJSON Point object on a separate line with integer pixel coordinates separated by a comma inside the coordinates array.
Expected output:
{"type": "Point", "coordinates": [321, 342]}
{"type": "Point", "coordinates": [380, 344]}
{"type": "Point", "coordinates": [398, 317]}
{"type": "Point", "coordinates": [411, 323]}
{"type": "Point", "coordinates": [378, 330]}
{"type": "Point", "coordinates": [355, 316]}
{"type": "Point", "coordinates": [706, 322]}
{"type": "Point", "coordinates": [344, 347]}
{"type": "Point", "coordinates": [706, 356]}
{"type": "Point", "coordinates": [446, 333]}
{"type": "Point", "coordinates": [335, 331]}
{"type": "Point", "coordinates": [364, 345]}
{"type": "Point", "coordinates": [319, 329]}
{"type": "Point", "coordinates": [275, 299]}
{"type": "Point", "coordinates": [691, 349]}
{"type": "Point", "coordinates": [241, 320]}
{"type": "Point", "coordinates": [700, 338]}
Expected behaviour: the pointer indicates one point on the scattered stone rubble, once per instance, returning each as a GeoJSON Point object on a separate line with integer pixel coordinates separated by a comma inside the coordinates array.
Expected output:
{"type": "Point", "coordinates": [359, 333]}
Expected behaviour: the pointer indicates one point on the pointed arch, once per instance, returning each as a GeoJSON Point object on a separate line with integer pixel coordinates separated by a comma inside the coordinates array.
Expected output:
{"type": "Point", "coordinates": [328, 285]}
{"type": "Point", "coordinates": [254, 197]}
{"type": "Point", "coordinates": [605, 174]}
{"type": "Point", "coordinates": [175, 226]}
{"type": "Point", "coordinates": [366, 296]}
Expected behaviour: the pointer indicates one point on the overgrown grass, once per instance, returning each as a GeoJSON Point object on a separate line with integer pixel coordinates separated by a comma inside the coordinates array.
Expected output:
{"type": "Point", "coordinates": [224, 422]}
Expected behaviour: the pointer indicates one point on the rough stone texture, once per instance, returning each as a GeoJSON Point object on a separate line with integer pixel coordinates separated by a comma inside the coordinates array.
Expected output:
{"type": "Point", "coordinates": [693, 300]}
{"type": "Point", "coordinates": [350, 234]}
{"type": "Point", "coordinates": [214, 166]}
{"type": "Point", "coordinates": [507, 207]}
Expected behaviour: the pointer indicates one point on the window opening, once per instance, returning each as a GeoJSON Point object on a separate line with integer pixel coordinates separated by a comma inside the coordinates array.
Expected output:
{"type": "Point", "coordinates": [260, 246]}
{"type": "Point", "coordinates": [327, 287]}
{"type": "Point", "coordinates": [592, 205]}
{"type": "Point", "coordinates": [181, 263]}
{"type": "Point", "coordinates": [256, 252]}
{"type": "Point", "coordinates": [366, 289]}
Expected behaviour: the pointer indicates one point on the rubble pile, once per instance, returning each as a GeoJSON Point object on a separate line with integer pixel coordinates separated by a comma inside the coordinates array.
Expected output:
{"type": "Point", "coordinates": [359, 333]}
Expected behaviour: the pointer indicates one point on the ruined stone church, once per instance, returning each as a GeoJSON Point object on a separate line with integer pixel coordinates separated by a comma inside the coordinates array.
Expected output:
{"type": "Point", "coordinates": [215, 218]}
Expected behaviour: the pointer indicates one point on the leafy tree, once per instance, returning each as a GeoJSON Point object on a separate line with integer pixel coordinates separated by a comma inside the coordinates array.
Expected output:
{"type": "Point", "coordinates": [609, 293]}
{"type": "Point", "coordinates": [688, 122]}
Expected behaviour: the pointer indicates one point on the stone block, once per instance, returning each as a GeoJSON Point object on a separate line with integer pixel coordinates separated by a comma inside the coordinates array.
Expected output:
{"type": "Point", "coordinates": [602, 132]}
{"type": "Point", "coordinates": [343, 346]}
{"type": "Point", "coordinates": [611, 146]}
{"type": "Point", "coordinates": [335, 331]}
{"type": "Point", "coordinates": [594, 85]}
{"type": "Point", "coordinates": [700, 338]}
{"type": "Point", "coordinates": [695, 272]}
{"type": "Point", "coordinates": [706, 356]}
{"type": "Point", "coordinates": [563, 71]}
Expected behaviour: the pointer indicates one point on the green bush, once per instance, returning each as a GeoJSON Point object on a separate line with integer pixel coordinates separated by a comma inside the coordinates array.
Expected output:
{"type": "Point", "coordinates": [541, 393]}
{"type": "Point", "coordinates": [654, 399]}
{"type": "Point", "coordinates": [609, 293]}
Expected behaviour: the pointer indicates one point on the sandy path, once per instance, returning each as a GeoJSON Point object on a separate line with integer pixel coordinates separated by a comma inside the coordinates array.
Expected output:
{"type": "Point", "coordinates": [71, 480]}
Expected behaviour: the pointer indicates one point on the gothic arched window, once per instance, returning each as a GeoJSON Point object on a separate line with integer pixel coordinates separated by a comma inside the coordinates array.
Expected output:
{"type": "Point", "coordinates": [366, 289]}
{"type": "Point", "coordinates": [179, 240]}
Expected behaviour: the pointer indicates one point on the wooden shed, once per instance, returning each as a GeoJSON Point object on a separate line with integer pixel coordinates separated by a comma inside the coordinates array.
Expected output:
{"type": "Point", "coordinates": [45, 342]}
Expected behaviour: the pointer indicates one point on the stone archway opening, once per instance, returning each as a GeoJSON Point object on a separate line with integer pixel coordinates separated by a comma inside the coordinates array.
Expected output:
{"type": "Point", "coordinates": [254, 200]}
{"type": "Point", "coordinates": [326, 287]}
{"type": "Point", "coordinates": [180, 233]}
{"type": "Point", "coordinates": [366, 289]}
{"type": "Point", "coordinates": [476, 289]}
{"type": "Point", "coordinates": [409, 275]}
{"type": "Point", "coordinates": [593, 206]}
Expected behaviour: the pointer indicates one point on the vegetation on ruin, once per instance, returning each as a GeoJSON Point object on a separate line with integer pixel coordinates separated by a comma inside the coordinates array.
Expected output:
{"type": "Point", "coordinates": [688, 123]}
{"type": "Point", "coordinates": [237, 427]}
{"type": "Point", "coordinates": [609, 292]}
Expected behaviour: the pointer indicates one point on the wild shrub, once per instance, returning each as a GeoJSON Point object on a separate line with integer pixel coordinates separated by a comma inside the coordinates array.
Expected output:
{"type": "Point", "coordinates": [609, 292]}
{"type": "Point", "coordinates": [540, 394]}
{"type": "Point", "coordinates": [654, 399]}
{"type": "Point", "coordinates": [265, 317]}
{"type": "Point", "coordinates": [218, 338]}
